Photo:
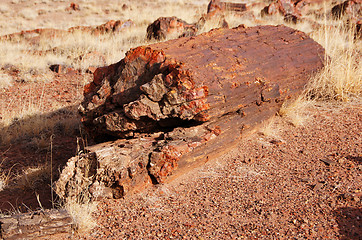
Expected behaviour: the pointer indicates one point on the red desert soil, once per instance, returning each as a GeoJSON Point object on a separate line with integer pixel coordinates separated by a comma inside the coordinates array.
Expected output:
{"type": "Point", "coordinates": [303, 183]}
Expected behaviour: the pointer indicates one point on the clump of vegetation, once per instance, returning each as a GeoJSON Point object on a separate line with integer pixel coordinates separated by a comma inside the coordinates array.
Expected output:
{"type": "Point", "coordinates": [341, 78]}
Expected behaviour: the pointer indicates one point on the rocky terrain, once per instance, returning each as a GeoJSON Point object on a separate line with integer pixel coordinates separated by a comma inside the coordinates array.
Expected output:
{"type": "Point", "coordinates": [121, 124]}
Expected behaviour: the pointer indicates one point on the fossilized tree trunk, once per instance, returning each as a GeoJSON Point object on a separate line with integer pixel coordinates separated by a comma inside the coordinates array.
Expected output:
{"type": "Point", "coordinates": [35, 224]}
{"type": "Point", "coordinates": [181, 102]}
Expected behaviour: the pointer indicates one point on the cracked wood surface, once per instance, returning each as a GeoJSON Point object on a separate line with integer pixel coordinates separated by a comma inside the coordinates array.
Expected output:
{"type": "Point", "coordinates": [35, 224]}
{"type": "Point", "coordinates": [175, 104]}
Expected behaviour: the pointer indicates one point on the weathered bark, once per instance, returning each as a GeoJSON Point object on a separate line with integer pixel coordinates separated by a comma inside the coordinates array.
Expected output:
{"type": "Point", "coordinates": [218, 6]}
{"type": "Point", "coordinates": [235, 7]}
{"type": "Point", "coordinates": [183, 101]}
{"type": "Point", "coordinates": [36, 224]}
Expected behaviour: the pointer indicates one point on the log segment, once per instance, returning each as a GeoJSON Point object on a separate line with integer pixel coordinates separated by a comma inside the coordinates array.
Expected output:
{"type": "Point", "coordinates": [178, 103]}
{"type": "Point", "coordinates": [35, 224]}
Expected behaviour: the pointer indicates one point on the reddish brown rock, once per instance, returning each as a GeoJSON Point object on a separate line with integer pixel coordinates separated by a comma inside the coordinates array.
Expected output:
{"type": "Point", "coordinates": [73, 7]}
{"type": "Point", "coordinates": [111, 26]}
{"type": "Point", "coordinates": [304, 6]}
{"type": "Point", "coordinates": [34, 36]}
{"type": "Point", "coordinates": [61, 69]}
{"type": "Point", "coordinates": [170, 27]}
{"type": "Point", "coordinates": [283, 7]}
{"type": "Point", "coordinates": [215, 7]}
{"type": "Point", "coordinates": [181, 102]}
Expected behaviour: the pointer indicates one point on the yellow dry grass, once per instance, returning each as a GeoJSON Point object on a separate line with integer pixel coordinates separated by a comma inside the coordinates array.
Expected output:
{"type": "Point", "coordinates": [81, 214]}
{"type": "Point", "coordinates": [341, 78]}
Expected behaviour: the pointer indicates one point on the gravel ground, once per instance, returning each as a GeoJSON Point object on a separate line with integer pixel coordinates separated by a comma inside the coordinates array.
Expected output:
{"type": "Point", "coordinates": [284, 182]}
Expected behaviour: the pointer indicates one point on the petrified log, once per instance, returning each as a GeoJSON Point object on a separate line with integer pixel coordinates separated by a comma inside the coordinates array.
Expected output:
{"type": "Point", "coordinates": [235, 7]}
{"type": "Point", "coordinates": [34, 36]}
{"type": "Point", "coordinates": [183, 101]}
{"type": "Point", "coordinates": [218, 6]}
{"type": "Point", "coordinates": [166, 27]}
{"type": "Point", "coordinates": [111, 26]}
{"type": "Point", "coordinates": [173, 27]}
{"type": "Point", "coordinates": [35, 224]}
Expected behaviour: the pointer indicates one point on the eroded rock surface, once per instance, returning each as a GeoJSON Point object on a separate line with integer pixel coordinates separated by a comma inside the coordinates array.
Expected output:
{"type": "Point", "coordinates": [170, 27]}
{"type": "Point", "coordinates": [176, 104]}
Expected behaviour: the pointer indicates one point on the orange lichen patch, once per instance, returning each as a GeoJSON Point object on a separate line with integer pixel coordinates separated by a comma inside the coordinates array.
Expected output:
{"type": "Point", "coordinates": [145, 53]}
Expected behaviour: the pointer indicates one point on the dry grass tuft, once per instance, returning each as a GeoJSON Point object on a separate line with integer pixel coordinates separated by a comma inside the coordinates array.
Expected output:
{"type": "Point", "coordinates": [295, 111]}
{"type": "Point", "coordinates": [270, 128]}
{"type": "Point", "coordinates": [81, 213]}
{"type": "Point", "coordinates": [341, 78]}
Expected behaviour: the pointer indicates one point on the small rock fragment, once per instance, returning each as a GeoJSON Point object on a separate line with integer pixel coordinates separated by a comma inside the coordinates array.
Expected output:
{"type": "Point", "coordinates": [155, 89]}
{"type": "Point", "coordinates": [328, 162]}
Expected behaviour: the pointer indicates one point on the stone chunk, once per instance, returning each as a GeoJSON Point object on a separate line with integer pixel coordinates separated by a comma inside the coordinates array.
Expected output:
{"type": "Point", "coordinates": [155, 89]}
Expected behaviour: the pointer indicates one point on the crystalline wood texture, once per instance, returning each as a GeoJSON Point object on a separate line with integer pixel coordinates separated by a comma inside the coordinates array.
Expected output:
{"type": "Point", "coordinates": [178, 103]}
